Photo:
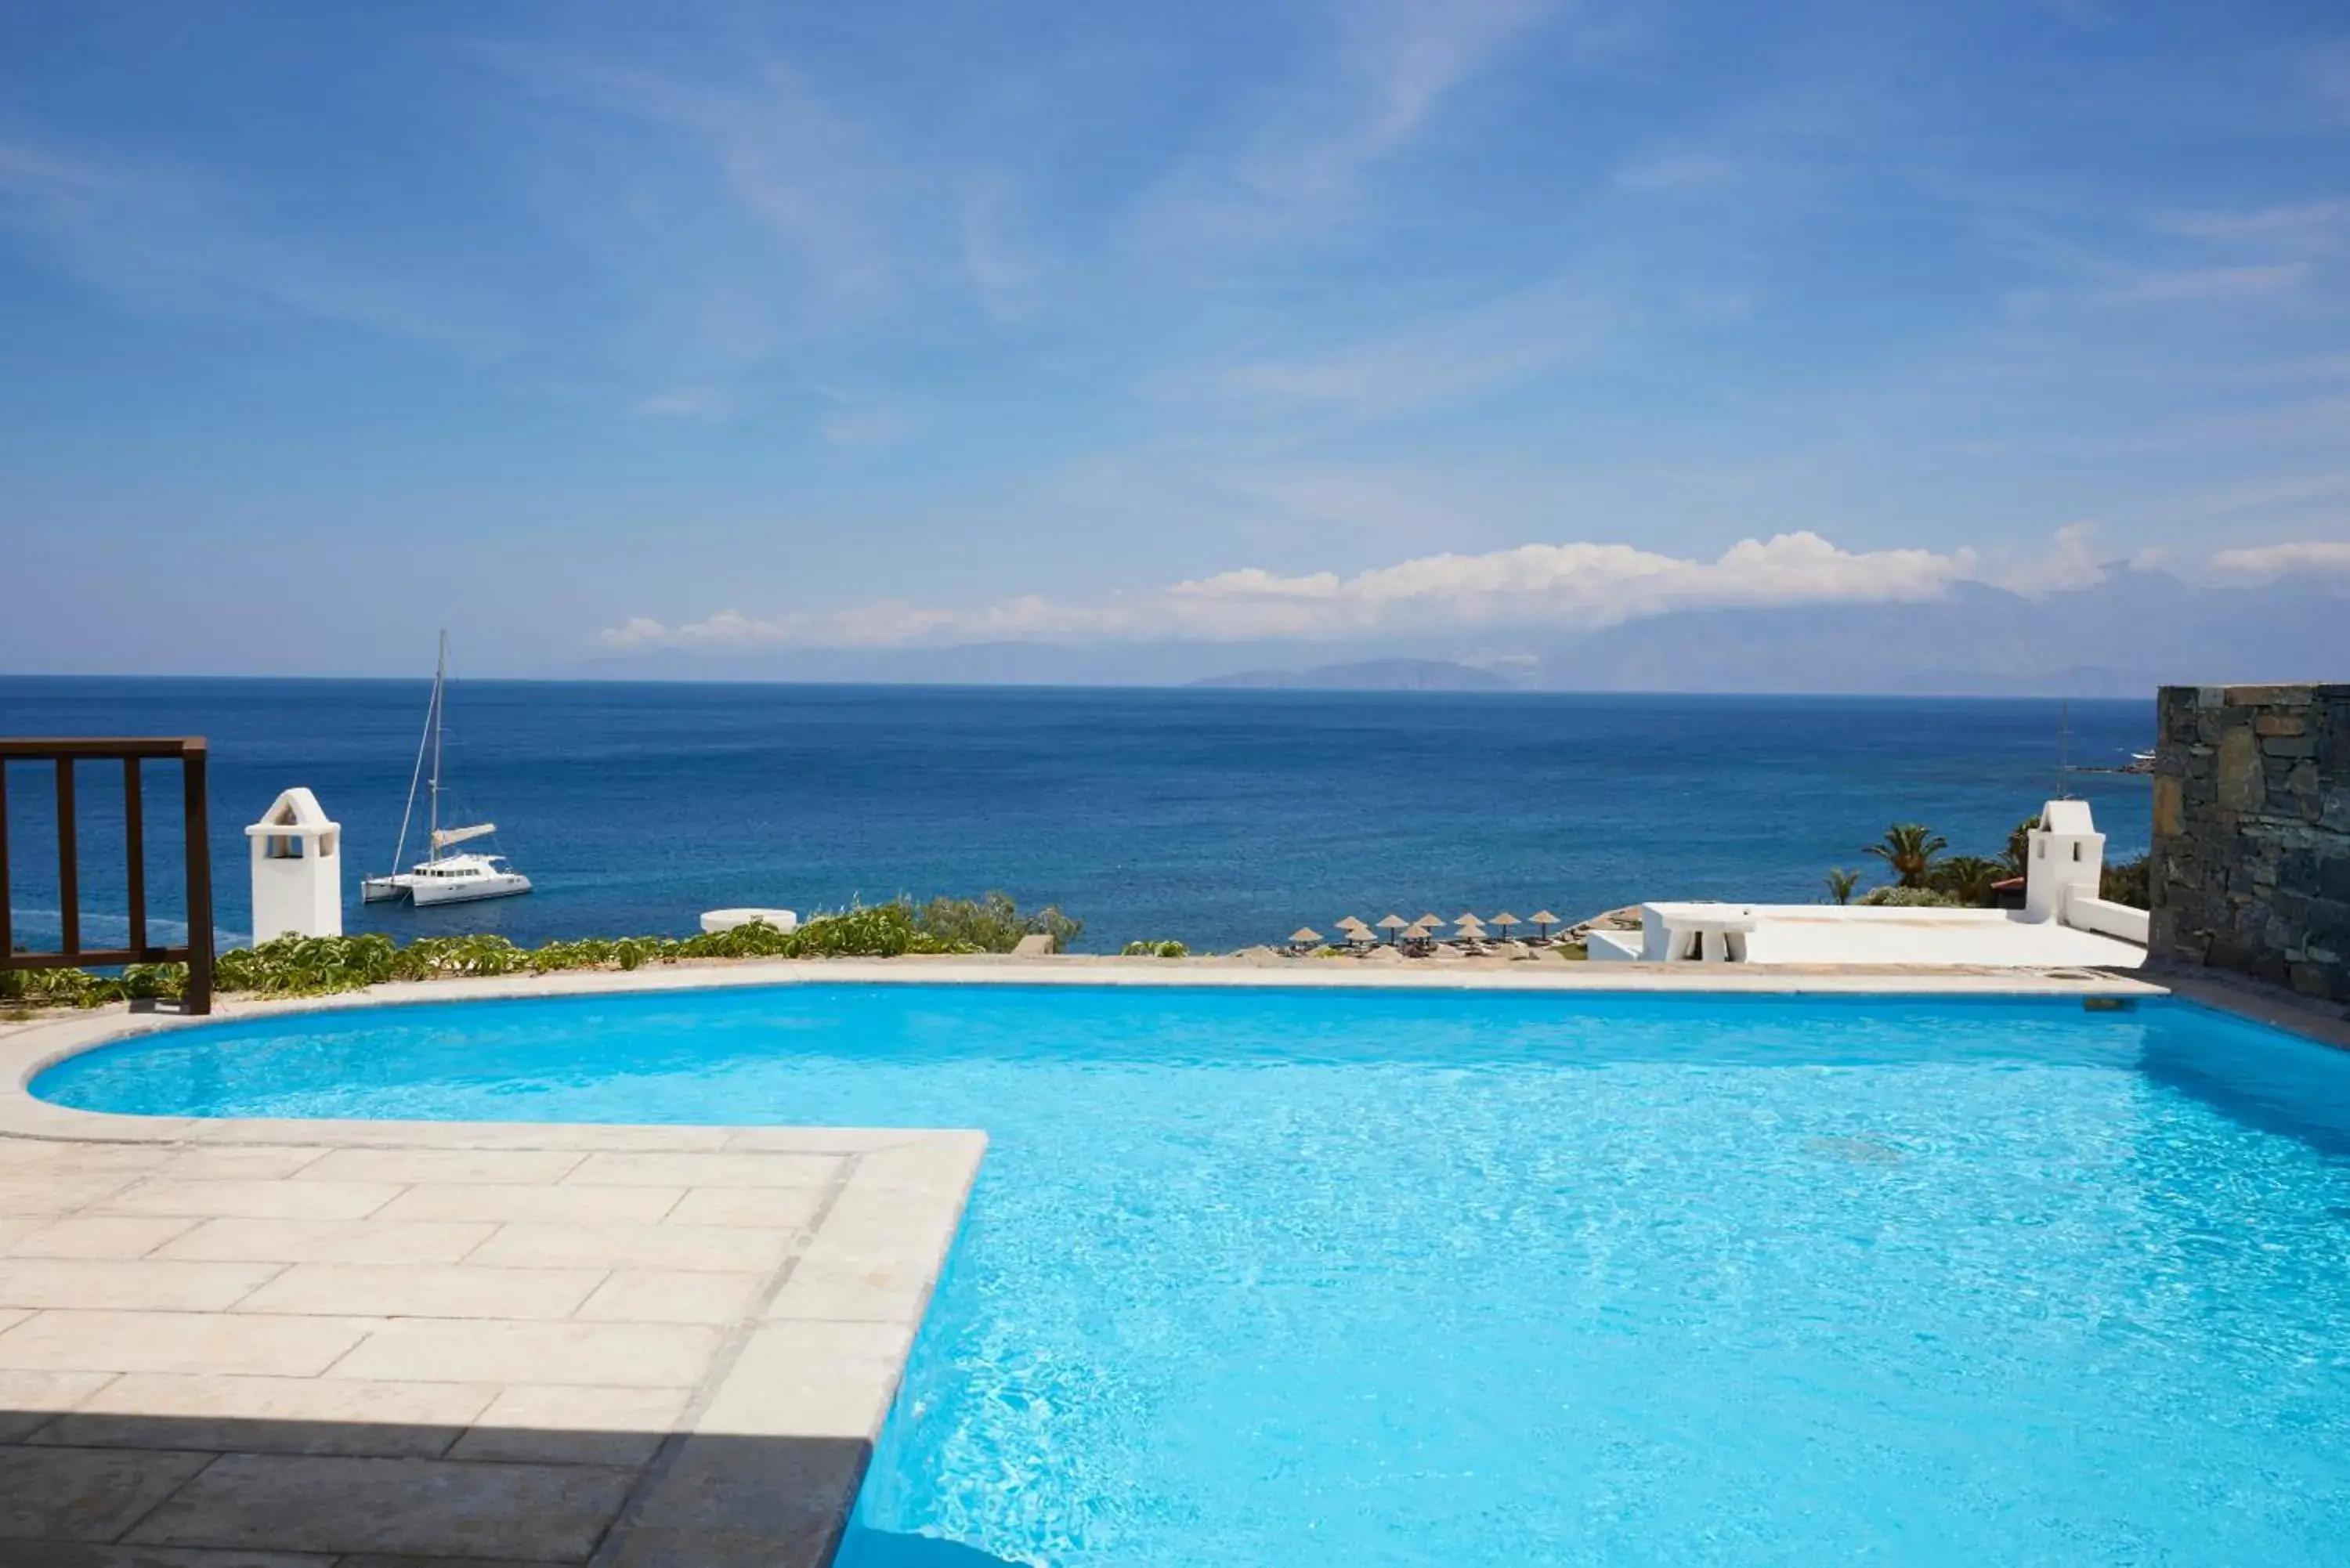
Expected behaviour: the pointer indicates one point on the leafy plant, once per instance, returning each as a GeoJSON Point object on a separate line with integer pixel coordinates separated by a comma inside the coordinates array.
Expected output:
{"type": "Point", "coordinates": [1155, 950]}
{"type": "Point", "coordinates": [2017, 856]}
{"type": "Point", "coordinates": [1968, 878]}
{"type": "Point", "coordinates": [1841, 883]}
{"type": "Point", "coordinates": [2128, 882]}
{"type": "Point", "coordinates": [994, 923]}
{"type": "Point", "coordinates": [1908, 849]}
{"type": "Point", "coordinates": [314, 966]}
{"type": "Point", "coordinates": [1908, 898]}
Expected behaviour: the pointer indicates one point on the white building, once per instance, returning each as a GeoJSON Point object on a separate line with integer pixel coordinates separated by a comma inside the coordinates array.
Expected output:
{"type": "Point", "coordinates": [2063, 922]}
{"type": "Point", "coordinates": [297, 869]}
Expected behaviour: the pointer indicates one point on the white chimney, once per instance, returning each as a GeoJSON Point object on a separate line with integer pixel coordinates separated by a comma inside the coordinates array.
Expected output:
{"type": "Point", "coordinates": [2067, 858]}
{"type": "Point", "coordinates": [297, 869]}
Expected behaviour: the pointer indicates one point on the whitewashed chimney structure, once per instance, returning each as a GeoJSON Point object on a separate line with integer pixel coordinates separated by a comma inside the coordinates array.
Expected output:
{"type": "Point", "coordinates": [297, 869]}
{"type": "Point", "coordinates": [2066, 861]}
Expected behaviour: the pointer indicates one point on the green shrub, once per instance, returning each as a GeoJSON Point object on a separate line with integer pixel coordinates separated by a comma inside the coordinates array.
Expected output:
{"type": "Point", "coordinates": [1155, 950]}
{"type": "Point", "coordinates": [314, 966]}
{"type": "Point", "coordinates": [2127, 882]}
{"type": "Point", "coordinates": [994, 924]}
{"type": "Point", "coordinates": [1967, 878]}
{"type": "Point", "coordinates": [1908, 898]}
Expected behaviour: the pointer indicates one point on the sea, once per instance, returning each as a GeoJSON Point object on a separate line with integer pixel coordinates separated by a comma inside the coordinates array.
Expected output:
{"type": "Point", "coordinates": [1219, 818]}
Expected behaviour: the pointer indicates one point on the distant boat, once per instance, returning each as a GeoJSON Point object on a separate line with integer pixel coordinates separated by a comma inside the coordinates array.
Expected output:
{"type": "Point", "coordinates": [2147, 757]}
{"type": "Point", "coordinates": [441, 879]}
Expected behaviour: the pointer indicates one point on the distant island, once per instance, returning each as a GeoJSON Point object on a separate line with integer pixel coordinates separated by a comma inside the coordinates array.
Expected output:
{"type": "Point", "coordinates": [1370, 675]}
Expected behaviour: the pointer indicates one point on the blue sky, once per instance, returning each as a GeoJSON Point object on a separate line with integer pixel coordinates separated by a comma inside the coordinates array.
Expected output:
{"type": "Point", "coordinates": [583, 328]}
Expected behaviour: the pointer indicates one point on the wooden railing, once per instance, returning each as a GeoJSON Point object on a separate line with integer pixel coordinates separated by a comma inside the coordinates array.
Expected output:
{"type": "Point", "coordinates": [189, 751]}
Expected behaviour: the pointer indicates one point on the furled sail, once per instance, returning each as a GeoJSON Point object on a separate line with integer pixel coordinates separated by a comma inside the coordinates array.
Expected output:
{"type": "Point", "coordinates": [449, 836]}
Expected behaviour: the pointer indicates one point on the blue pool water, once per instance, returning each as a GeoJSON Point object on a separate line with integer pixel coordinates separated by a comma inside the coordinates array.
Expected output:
{"type": "Point", "coordinates": [1358, 1277]}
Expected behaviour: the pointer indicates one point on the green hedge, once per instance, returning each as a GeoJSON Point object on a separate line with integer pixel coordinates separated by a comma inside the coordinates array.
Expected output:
{"type": "Point", "coordinates": [314, 966]}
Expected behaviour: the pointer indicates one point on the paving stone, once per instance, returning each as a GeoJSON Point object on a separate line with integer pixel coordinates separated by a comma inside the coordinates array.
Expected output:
{"type": "Point", "coordinates": [29, 1400]}
{"type": "Point", "coordinates": [787, 1489]}
{"type": "Point", "coordinates": [546, 1205]}
{"type": "Point", "coordinates": [806, 1546]}
{"type": "Point", "coordinates": [83, 1494]}
{"type": "Point", "coordinates": [59, 1554]}
{"type": "Point", "coordinates": [810, 1380]}
{"type": "Point", "coordinates": [771, 1208]}
{"type": "Point", "coordinates": [706, 1170]}
{"type": "Point", "coordinates": [100, 1236]}
{"type": "Point", "coordinates": [429, 1507]}
{"type": "Point", "coordinates": [273, 1414]}
{"type": "Point", "coordinates": [16, 1226]}
{"type": "Point", "coordinates": [451, 1290]}
{"type": "Point", "coordinates": [141, 1285]}
{"type": "Point", "coordinates": [651, 1295]}
{"type": "Point", "coordinates": [409, 1166]}
{"type": "Point", "coordinates": [328, 1241]}
{"type": "Point", "coordinates": [574, 1425]}
{"type": "Point", "coordinates": [256, 1199]}
{"type": "Point", "coordinates": [241, 1163]}
{"type": "Point", "coordinates": [626, 1355]}
{"type": "Point", "coordinates": [718, 1249]}
{"type": "Point", "coordinates": [61, 1341]}
{"type": "Point", "coordinates": [53, 1193]}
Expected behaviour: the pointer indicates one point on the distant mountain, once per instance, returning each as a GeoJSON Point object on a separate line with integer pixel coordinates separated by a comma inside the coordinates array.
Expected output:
{"type": "Point", "coordinates": [1370, 675]}
{"type": "Point", "coordinates": [2129, 634]}
{"type": "Point", "coordinates": [2123, 637]}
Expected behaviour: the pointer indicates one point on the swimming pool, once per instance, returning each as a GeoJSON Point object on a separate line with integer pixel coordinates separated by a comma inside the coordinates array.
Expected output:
{"type": "Point", "coordinates": [1476, 1278]}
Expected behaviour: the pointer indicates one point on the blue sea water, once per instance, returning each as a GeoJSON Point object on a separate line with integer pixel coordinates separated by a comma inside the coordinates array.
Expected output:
{"type": "Point", "coordinates": [1354, 1277]}
{"type": "Point", "coordinates": [1218, 817]}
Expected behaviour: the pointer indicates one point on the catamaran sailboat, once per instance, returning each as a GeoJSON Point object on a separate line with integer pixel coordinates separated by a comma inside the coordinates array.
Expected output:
{"type": "Point", "coordinates": [442, 878]}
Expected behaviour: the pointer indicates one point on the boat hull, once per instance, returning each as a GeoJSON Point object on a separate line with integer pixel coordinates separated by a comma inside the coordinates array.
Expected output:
{"type": "Point", "coordinates": [429, 890]}
{"type": "Point", "coordinates": [471, 889]}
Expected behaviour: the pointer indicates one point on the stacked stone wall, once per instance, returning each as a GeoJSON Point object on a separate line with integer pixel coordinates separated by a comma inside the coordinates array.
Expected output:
{"type": "Point", "coordinates": [2251, 869]}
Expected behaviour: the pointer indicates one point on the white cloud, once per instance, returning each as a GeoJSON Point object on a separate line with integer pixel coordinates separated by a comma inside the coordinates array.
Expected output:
{"type": "Point", "coordinates": [2318, 223]}
{"type": "Point", "coordinates": [1669, 172]}
{"type": "Point", "coordinates": [2214, 283]}
{"type": "Point", "coordinates": [998, 256]}
{"type": "Point", "coordinates": [865, 427]}
{"type": "Point", "coordinates": [1508, 340]}
{"type": "Point", "coordinates": [2261, 563]}
{"type": "Point", "coordinates": [1570, 586]}
{"type": "Point", "coordinates": [2069, 562]}
{"type": "Point", "coordinates": [1395, 63]}
{"type": "Point", "coordinates": [706, 404]}
{"type": "Point", "coordinates": [164, 236]}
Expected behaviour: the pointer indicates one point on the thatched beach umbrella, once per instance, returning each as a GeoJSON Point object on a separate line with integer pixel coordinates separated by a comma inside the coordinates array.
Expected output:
{"type": "Point", "coordinates": [1505, 920]}
{"type": "Point", "coordinates": [1351, 924]}
{"type": "Point", "coordinates": [1431, 921]}
{"type": "Point", "coordinates": [1395, 925]}
{"type": "Point", "coordinates": [1470, 928]}
{"type": "Point", "coordinates": [1544, 921]}
{"type": "Point", "coordinates": [1304, 936]}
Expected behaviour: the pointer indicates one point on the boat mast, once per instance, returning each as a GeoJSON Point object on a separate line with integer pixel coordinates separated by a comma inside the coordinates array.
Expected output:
{"type": "Point", "coordinates": [440, 676]}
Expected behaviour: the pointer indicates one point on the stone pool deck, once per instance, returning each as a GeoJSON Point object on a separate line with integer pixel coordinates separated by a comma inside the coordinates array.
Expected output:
{"type": "Point", "coordinates": [243, 1343]}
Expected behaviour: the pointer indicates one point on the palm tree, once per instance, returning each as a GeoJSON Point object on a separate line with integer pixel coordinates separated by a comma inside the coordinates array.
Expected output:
{"type": "Point", "coordinates": [2018, 859]}
{"type": "Point", "coordinates": [1966, 878]}
{"type": "Point", "coordinates": [1909, 848]}
{"type": "Point", "coordinates": [1841, 883]}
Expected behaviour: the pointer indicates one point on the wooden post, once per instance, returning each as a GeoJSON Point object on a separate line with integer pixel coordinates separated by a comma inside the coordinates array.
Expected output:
{"type": "Point", "coordinates": [198, 998]}
{"type": "Point", "coordinates": [68, 862]}
{"type": "Point", "coordinates": [8, 932]}
{"type": "Point", "coordinates": [134, 850]}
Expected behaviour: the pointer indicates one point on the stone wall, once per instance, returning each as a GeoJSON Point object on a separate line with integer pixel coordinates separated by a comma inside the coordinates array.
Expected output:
{"type": "Point", "coordinates": [2252, 834]}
